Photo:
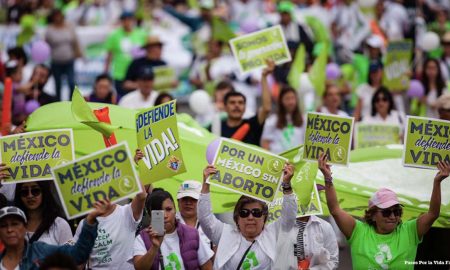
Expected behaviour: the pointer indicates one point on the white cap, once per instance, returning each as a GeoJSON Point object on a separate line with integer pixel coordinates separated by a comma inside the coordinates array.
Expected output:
{"type": "Point", "coordinates": [375, 41]}
{"type": "Point", "coordinates": [190, 188]}
{"type": "Point", "coordinates": [207, 4]}
{"type": "Point", "coordinates": [12, 211]}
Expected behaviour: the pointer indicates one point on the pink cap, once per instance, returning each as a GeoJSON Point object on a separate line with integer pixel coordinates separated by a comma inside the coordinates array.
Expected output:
{"type": "Point", "coordinates": [383, 198]}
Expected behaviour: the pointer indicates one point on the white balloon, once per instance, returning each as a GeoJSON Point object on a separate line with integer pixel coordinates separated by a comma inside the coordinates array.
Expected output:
{"type": "Point", "coordinates": [430, 41]}
{"type": "Point", "coordinates": [200, 102]}
{"type": "Point", "coordinates": [305, 83]}
{"type": "Point", "coordinates": [367, 3]}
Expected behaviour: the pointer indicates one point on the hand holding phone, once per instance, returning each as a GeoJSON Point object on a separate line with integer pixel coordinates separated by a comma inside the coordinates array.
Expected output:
{"type": "Point", "coordinates": [157, 222]}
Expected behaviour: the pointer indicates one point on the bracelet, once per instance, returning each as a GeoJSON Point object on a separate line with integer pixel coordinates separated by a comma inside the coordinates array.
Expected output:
{"type": "Point", "coordinates": [328, 181]}
{"type": "Point", "coordinates": [287, 189]}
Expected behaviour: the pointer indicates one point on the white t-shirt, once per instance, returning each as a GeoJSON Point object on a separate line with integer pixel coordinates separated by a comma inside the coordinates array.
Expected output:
{"type": "Point", "coordinates": [170, 250]}
{"type": "Point", "coordinates": [58, 234]}
{"type": "Point", "coordinates": [394, 118]}
{"type": "Point", "coordinates": [324, 109]}
{"type": "Point", "coordinates": [115, 237]}
{"type": "Point", "coordinates": [365, 93]}
{"type": "Point", "coordinates": [135, 100]}
{"type": "Point", "coordinates": [431, 101]}
{"type": "Point", "coordinates": [282, 139]}
{"type": "Point", "coordinates": [255, 259]}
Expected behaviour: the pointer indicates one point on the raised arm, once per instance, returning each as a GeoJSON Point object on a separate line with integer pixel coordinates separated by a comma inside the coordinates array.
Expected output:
{"type": "Point", "coordinates": [289, 206]}
{"type": "Point", "coordinates": [345, 222]}
{"type": "Point", "coordinates": [266, 105]}
{"type": "Point", "coordinates": [138, 203]}
{"type": "Point", "coordinates": [425, 221]}
{"type": "Point", "coordinates": [210, 224]}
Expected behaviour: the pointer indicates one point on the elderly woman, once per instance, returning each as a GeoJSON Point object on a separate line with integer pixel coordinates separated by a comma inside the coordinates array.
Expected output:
{"type": "Point", "coordinates": [383, 241]}
{"type": "Point", "coordinates": [20, 254]}
{"type": "Point", "coordinates": [252, 244]}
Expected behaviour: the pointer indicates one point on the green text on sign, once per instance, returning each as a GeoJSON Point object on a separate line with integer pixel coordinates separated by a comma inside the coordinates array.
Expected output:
{"type": "Point", "coordinates": [328, 134]}
{"type": "Point", "coordinates": [30, 156]}
{"type": "Point", "coordinates": [106, 174]}
{"type": "Point", "coordinates": [426, 142]}
{"type": "Point", "coordinates": [247, 170]}
{"type": "Point", "coordinates": [251, 51]}
{"type": "Point", "coordinates": [157, 137]}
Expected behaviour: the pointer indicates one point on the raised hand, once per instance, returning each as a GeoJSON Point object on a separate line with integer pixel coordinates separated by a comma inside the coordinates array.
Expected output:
{"type": "Point", "coordinates": [444, 170]}
{"type": "Point", "coordinates": [288, 172]}
{"type": "Point", "coordinates": [138, 156]}
{"type": "Point", "coordinates": [209, 170]}
{"type": "Point", "coordinates": [100, 208]}
{"type": "Point", "coordinates": [324, 167]}
{"type": "Point", "coordinates": [269, 68]}
{"type": "Point", "coordinates": [156, 239]}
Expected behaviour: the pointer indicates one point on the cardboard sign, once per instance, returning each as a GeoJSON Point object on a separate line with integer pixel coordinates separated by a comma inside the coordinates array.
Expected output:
{"type": "Point", "coordinates": [164, 77]}
{"type": "Point", "coordinates": [426, 142]}
{"type": "Point", "coordinates": [251, 51]}
{"type": "Point", "coordinates": [370, 135]}
{"type": "Point", "coordinates": [30, 156]}
{"type": "Point", "coordinates": [106, 174]}
{"type": "Point", "coordinates": [397, 66]}
{"type": "Point", "coordinates": [157, 137]}
{"type": "Point", "coordinates": [330, 134]}
{"type": "Point", "coordinates": [247, 170]}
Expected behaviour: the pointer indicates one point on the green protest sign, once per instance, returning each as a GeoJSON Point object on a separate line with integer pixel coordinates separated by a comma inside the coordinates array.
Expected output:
{"type": "Point", "coordinates": [30, 156]}
{"type": "Point", "coordinates": [397, 65]}
{"type": "Point", "coordinates": [247, 170]}
{"type": "Point", "coordinates": [369, 135]}
{"type": "Point", "coordinates": [106, 174]}
{"type": "Point", "coordinates": [426, 142]}
{"type": "Point", "coordinates": [314, 207]}
{"type": "Point", "coordinates": [251, 51]}
{"type": "Point", "coordinates": [157, 137]}
{"type": "Point", "coordinates": [164, 77]}
{"type": "Point", "coordinates": [330, 134]}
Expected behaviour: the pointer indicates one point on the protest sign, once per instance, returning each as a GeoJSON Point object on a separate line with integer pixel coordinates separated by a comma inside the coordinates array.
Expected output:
{"type": "Point", "coordinates": [106, 174]}
{"type": "Point", "coordinates": [165, 76]}
{"type": "Point", "coordinates": [426, 142]}
{"type": "Point", "coordinates": [30, 156]}
{"type": "Point", "coordinates": [157, 137]}
{"type": "Point", "coordinates": [397, 66]}
{"type": "Point", "coordinates": [369, 135]}
{"type": "Point", "coordinates": [330, 134]}
{"type": "Point", "coordinates": [251, 51]}
{"type": "Point", "coordinates": [247, 170]}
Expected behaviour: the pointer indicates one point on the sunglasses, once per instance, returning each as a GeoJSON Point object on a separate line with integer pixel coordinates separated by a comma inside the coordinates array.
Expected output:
{"type": "Point", "coordinates": [381, 99]}
{"type": "Point", "coordinates": [388, 212]}
{"type": "Point", "coordinates": [256, 212]}
{"type": "Point", "coordinates": [34, 192]}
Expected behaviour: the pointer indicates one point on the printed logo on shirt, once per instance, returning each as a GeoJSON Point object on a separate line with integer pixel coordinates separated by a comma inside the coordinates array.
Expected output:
{"type": "Point", "coordinates": [173, 262]}
{"type": "Point", "coordinates": [383, 256]}
{"type": "Point", "coordinates": [102, 246]}
{"type": "Point", "coordinates": [250, 261]}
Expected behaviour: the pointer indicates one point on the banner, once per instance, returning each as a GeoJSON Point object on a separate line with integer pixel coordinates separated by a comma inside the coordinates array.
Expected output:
{"type": "Point", "coordinates": [157, 137]}
{"type": "Point", "coordinates": [247, 170]}
{"type": "Point", "coordinates": [397, 65]}
{"type": "Point", "coordinates": [165, 76]}
{"type": "Point", "coordinates": [369, 135]}
{"type": "Point", "coordinates": [30, 156]}
{"type": "Point", "coordinates": [251, 51]}
{"type": "Point", "coordinates": [106, 174]}
{"type": "Point", "coordinates": [426, 142]}
{"type": "Point", "coordinates": [330, 134]}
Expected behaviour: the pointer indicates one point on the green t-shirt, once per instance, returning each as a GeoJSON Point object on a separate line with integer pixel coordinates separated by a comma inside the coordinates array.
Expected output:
{"type": "Point", "coordinates": [120, 44]}
{"type": "Point", "coordinates": [396, 250]}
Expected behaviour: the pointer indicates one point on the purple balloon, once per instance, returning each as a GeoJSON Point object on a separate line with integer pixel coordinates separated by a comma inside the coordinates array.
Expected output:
{"type": "Point", "coordinates": [249, 26]}
{"type": "Point", "coordinates": [137, 52]}
{"type": "Point", "coordinates": [211, 150]}
{"type": "Point", "coordinates": [40, 52]}
{"type": "Point", "coordinates": [31, 106]}
{"type": "Point", "coordinates": [416, 89]}
{"type": "Point", "coordinates": [333, 72]}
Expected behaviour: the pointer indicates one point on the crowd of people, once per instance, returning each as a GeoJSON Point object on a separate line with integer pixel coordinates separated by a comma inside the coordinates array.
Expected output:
{"type": "Point", "coordinates": [264, 108]}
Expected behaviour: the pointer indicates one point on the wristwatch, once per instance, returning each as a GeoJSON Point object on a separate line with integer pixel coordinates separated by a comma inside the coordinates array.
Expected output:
{"type": "Point", "coordinates": [329, 181]}
{"type": "Point", "coordinates": [286, 186]}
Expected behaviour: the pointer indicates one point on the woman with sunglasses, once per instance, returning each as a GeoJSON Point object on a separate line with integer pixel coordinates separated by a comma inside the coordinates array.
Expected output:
{"type": "Point", "coordinates": [251, 244]}
{"type": "Point", "coordinates": [383, 241]}
{"type": "Point", "coordinates": [43, 213]}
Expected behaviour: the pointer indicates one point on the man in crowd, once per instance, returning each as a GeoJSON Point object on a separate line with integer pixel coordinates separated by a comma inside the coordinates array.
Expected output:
{"type": "Point", "coordinates": [144, 96]}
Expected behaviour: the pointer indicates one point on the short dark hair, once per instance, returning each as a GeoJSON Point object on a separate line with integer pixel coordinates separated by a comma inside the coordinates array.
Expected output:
{"type": "Point", "coordinates": [156, 199]}
{"type": "Point", "coordinates": [103, 76]}
{"type": "Point", "coordinates": [161, 96]}
{"type": "Point", "coordinates": [18, 53]}
{"type": "Point", "coordinates": [58, 260]}
{"type": "Point", "coordinates": [49, 71]}
{"type": "Point", "coordinates": [224, 85]}
{"type": "Point", "coordinates": [243, 201]}
{"type": "Point", "coordinates": [233, 94]}
{"type": "Point", "coordinates": [385, 92]}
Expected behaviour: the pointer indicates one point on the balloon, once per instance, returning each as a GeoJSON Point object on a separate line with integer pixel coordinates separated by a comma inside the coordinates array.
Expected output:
{"type": "Point", "coordinates": [137, 52]}
{"type": "Point", "coordinates": [305, 83]}
{"type": "Point", "coordinates": [367, 3]}
{"type": "Point", "coordinates": [429, 41]}
{"type": "Point", "coordinates": [249, 26]}
{"type": "Point", "coordinates": [416, 89]}
{"type": "Point", "coordinates": [333, 72]}
{"type": "Point", "coordinates": [31, 106]}
{"type": "Point", "coordinates": [211, 150]}
{"type": "Point", "coordinates": [40, 52]}
{"type": "Point", "coordinates": [347, 71]}
{"type": "Point", "coordinates": [200, 102]}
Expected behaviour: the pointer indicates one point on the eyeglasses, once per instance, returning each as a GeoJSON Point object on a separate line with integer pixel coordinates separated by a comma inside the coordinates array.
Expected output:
{"type": "Point", "coordinates": [256, 212]}
{"type": "Point", "coordinates": [384, 99]}
{"type": "Point", "coordinates": [34, 192]}
{"type": "Point", "coordinates": [388, 212]}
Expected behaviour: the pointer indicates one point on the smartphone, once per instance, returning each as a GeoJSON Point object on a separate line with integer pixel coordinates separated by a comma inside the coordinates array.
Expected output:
{"type": "Point", "coordinates": [157, 222]}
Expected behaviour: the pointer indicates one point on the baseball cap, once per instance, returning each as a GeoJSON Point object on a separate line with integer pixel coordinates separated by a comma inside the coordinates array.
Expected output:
{"type": "Point", "coordinates": [375, 41]}
{"type": "Point", "coordinates": [207, 4]}
{"type": "Point", "coordinates": [12, 211]}
{"type": "Point", "coordinates": [151, 41]}
{"type": "Point", "coordinates": [443, 102]}
{"type": "Point", "coordinates": [126, 15]}
{"type": "Point", "coordinates": [146, 73]}
{"type": "Point", "coordinates": [190, 188]}
{"type": "Point", "coordinates": [383, 198]}
{"type": "Point", "coordinates": [285, 6]}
